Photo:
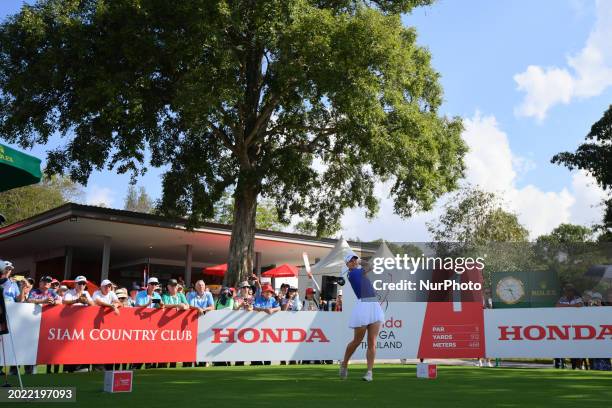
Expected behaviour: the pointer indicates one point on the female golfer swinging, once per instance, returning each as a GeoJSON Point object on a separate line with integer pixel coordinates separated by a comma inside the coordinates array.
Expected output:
{"type": "Point", "coordinates": [367, 315]}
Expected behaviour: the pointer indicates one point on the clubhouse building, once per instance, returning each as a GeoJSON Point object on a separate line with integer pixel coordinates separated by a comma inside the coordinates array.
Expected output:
{"type": "Point", "coordinates": [100, 243]}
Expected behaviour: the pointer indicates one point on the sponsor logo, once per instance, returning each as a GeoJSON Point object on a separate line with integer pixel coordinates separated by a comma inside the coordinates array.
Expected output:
{"type": "Point", "coordinates": [60, 334]}
{"type": "Point", "coordinates": [282, 335]}
{"type": "Point", "coordinates": [392, 324]}
{"type": "Point", "coordinates": [554, 332]}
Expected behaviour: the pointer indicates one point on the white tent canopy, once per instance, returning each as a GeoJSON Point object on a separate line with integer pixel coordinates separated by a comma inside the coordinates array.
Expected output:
{"type": "Point", "coordinates": [332, 264]}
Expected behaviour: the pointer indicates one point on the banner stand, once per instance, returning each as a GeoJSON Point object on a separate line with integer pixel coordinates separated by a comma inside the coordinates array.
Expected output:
{"type": "Point", "coordinates": [8, 333]}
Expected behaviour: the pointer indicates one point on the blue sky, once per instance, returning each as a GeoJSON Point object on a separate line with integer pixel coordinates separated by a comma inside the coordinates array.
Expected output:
{"type": "Point", "coordinates": [529, 77]}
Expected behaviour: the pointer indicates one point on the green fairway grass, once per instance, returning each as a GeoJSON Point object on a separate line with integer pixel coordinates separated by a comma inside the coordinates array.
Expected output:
{"type": "Point", "coordinates": [319, 386]}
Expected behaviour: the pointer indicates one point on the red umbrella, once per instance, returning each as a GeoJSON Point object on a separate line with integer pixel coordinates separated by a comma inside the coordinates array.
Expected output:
{"type": "Point", "coordinates": [217, 270]}
{"type": "Point", "coordinates": [283, 271]}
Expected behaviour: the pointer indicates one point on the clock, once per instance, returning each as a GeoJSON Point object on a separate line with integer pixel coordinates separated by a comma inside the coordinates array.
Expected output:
{"type": "Point", "coordinates": [510, 290]}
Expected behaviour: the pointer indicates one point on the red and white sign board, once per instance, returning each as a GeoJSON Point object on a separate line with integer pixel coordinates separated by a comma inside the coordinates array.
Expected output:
{"type": "Point", "coordinates": [425, 370]}
{"type": "Point", "coordinates": [227, 335]}
{"type": "Point", "coordinates": [118, 381]}
{"type": "Point", "coordinates": [579, 332]}
{"type": "Point", "coordinates": [92, 335]}
{"type": "Point", "coordinates": [95, 335]}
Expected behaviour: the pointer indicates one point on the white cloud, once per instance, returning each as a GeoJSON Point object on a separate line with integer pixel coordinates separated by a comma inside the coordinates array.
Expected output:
{"type": "Point", "coordinates": [587, 210]}
{"type": "Point", "coordinates": [491, 164]}
{"type": "Point", "coordinates": [587, 74]}
{"type": "Point", "coordinates": [97, 195]}
{"type": "Point", "coordinates": [544, 88]}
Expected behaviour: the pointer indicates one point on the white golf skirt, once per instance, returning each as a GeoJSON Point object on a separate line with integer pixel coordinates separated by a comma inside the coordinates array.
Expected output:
{"type": "Point", "coordinates": [365, 312]}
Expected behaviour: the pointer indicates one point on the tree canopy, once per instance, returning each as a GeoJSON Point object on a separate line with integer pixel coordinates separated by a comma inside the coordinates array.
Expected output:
{"type": "Point", "coordinates": [306, 103]}
{"type": "Point", "coordinates": [475, 216]}
{"type": "Point", "coordinates": [138, 200]}
{"type": "Point", "coordinates": [24, 202]}
{"type": "Point", "coordinates": [595, 156]}
{"type": "Point", "coordinates": [266, 217]}
{"type": "Point", "coordinates": [567, 233]}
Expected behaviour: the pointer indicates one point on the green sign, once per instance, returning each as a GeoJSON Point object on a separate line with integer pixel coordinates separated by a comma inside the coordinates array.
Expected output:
{"type": "Point", "coordinates": [544, 288]}
{"type": "Point", "coordinates": [17, 169]}
{"type": "Point", "coordinates": [510, 289]}
{"type": "Point", "coordinates": [525, 289]}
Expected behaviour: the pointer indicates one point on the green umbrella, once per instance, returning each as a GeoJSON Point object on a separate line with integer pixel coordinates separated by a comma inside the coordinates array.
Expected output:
{"type": "Point", "coordinates": [17, 169]}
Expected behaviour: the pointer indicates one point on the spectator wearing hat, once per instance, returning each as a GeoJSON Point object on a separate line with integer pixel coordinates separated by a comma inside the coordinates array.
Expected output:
{"type": "Point", "coordinates": [55, 284]}
{"type": "Point", "coordinates": [586, 297]}
{"type": "Point", "coordinates": [149, 297]}
{"type": "Point", "coordinates": [62, 290]}
{"type": "Point", "coordinates": [266, 302]}
{"type": "Point", "coordinates": [10, 289]}
{"type": "Point", "coordinates": [312, 296]}
{"type": "Point", "coordinates": [133, 292]}
{"type": "Point", "coordinates": [244, 299]}
{"type": "Point", "coordinates": [79, 295]}
{"type": "Point", "coordinates": [310, 303]}
{"type": "Point", "coordinates": [44, 295]}
{"type": "Point", "coordinates": [201, 299]}
{"type": "Point", "coordinates": [105, 297]}
{"type": "Point", "coordinates": [123, 297]}
{"type": "Point", "coordinates": [291, 301]}
{"type": "Point", "coordinates": [338, 307]}
{"type": "Point", "coordinates": [173, 298]}
{"type": "Point", "coordinates": [596, 299]}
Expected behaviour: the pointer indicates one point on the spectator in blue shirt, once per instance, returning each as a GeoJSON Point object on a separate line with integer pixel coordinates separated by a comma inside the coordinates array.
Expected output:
{"type": "Point", "coordinates": [201, 299]}
{"type": "Point", "coordinates": [266, 302]}
{"type": "Point", "coordinates": [44, 295]}
{"type": "Point", "coordinates": [10, 289]}
{"type": "Point", "coordinates": [149, 297]}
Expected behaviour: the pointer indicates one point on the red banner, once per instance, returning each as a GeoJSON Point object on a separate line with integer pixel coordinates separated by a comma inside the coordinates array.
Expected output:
{"type": "Point", "coordinates": [95, 335]}
{"type": "Point", "coordinates": [448, 333]}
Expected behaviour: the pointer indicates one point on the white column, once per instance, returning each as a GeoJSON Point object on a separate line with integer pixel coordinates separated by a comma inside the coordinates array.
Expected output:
{"type": "Point", "coordinates": [105, 258]}
{"type": "Point", "coordinates": [188, 256]}
{"type": "Point", "coordinates": [68, 263]}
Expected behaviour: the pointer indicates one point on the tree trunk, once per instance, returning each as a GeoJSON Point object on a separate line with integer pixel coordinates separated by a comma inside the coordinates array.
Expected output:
{"type": "Point", "coordinates": [242, 243]}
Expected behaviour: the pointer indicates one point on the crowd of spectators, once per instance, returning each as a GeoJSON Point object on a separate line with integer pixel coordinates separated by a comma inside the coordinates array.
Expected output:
{"type": "Point", "coordinates": [251, 295]}
{"type": "Point", "coordinates": [571, 298]}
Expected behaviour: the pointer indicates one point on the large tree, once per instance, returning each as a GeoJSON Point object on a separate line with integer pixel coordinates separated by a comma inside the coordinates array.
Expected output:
{"type": "Point", "coordinates": [308, 103]}
{"type": "Point", "coordinates": [266, 217]}
{"type": "Point", "coordinates": [595, 156]}
{"type": "Point", "coordinates": [474, 223]}
{"type": "Point", "coordinates": [474, 216]}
